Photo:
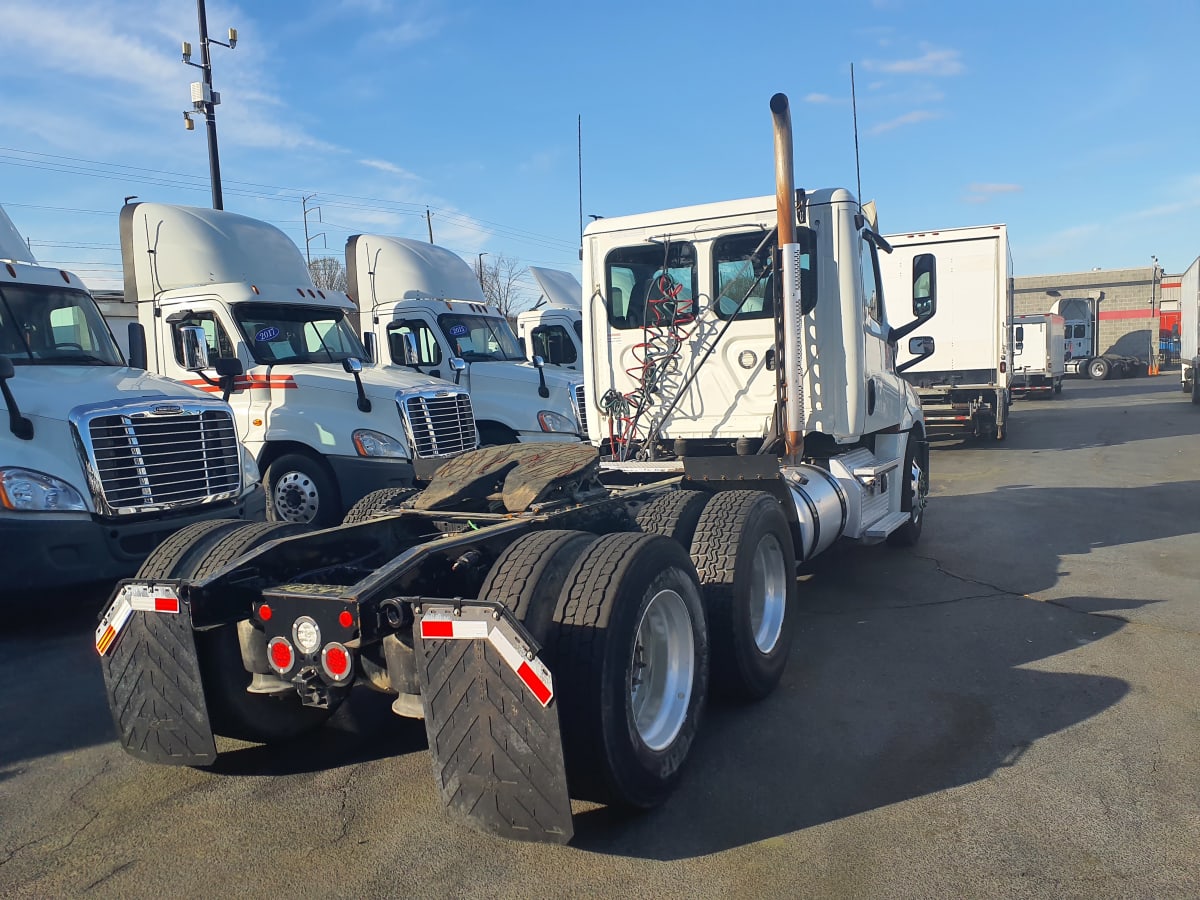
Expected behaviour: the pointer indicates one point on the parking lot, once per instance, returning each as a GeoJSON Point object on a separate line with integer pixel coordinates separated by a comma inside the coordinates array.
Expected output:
{"type": "Point", "coordinates": [1013, 709]}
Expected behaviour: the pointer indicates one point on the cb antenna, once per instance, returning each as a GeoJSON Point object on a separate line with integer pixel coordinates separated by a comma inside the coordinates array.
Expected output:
{"type": "Point", "coordinates": [854, 108]}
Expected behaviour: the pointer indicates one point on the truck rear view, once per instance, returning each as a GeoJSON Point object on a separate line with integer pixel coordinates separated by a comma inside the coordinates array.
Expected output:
{"type": "Point", "coordinates": [964, 389]}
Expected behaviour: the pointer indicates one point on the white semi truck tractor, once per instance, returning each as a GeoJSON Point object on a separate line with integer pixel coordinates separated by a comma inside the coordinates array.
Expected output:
{"type": "Point", "coordinates": [558, 616]}
{"type": "Point", "coordinates": [99, 462]}
{"type": "Point", "coordinates": [423, 306]}
{"type": "Point", "coordinates": [553, 329]}
{"type": "Point", "coordinates": [325, 428]}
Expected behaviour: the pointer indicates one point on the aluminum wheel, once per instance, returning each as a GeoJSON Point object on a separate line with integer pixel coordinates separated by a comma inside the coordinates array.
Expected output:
{"type": "Point", "coordinates": [295, 498]}
{"type": "Point", "coordinates": [663, 670]}
{"type": "Point", "coordinates": [919, 485]}
{"type": "Point", "coordinates": [768, 593]}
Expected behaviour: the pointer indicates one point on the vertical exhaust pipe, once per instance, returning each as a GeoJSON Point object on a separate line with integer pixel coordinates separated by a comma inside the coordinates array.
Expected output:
{"type": "Point", "coordinates": [789, 335]}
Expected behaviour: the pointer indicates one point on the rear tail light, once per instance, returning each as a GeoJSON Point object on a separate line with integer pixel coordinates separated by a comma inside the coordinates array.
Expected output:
{"type": "Point", "coordinates": [281, 655]}
{"type": "Point", "coordinates": [335, 659]}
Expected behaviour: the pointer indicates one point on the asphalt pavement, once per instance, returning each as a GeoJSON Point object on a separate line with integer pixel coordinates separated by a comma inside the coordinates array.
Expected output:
{"type": "Point", "coordinates": [1011, 709]}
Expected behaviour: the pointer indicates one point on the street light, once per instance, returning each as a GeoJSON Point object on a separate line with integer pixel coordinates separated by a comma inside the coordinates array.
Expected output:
{"type": "Point", "coordinates": [479, 268]}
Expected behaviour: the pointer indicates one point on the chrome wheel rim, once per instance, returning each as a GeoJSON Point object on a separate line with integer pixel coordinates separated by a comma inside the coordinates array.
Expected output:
{"type": "Point", "coordinates": [295, 498]}
{"type": "Point", "coordinates": [920, 491]}
{"type": "Point", "coordinates": [768, 593]}
{"type": "Point", "coordinates": [663, 670]}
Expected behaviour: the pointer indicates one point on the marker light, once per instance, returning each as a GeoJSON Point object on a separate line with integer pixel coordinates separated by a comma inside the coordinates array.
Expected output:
{"type": "Point", "coordinates": [264, 612]}
{"type": "Point", "coordinates": [345, 619]}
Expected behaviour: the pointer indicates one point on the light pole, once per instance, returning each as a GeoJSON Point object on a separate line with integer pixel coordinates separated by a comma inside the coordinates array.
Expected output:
{"type": "Point", "coordinates": [320, 234]}
{"type": "Point", "coordinates": [205, 99]}
{"type": "Point", "coordinates": [479, 268]}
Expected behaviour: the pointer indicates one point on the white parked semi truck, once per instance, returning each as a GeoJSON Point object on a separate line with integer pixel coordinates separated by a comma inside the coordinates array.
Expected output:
{"type": "Point", "coordinates": [1038, 349]}
{"type": "Point", "coordinates": [1082, 353]}
{"type": "Point", "coordinates": [1189, 331]}
{"type": "Point", "coordinates": [554, 329]}
{"type": "Point", "coordinates": [423, 306]}
{"type": "Point", "coordinates": [965, 389]}
{"type": "Point", "coordinates": [324, 428]}
{"type": "Point", "coordinates": [556, 619]}
{"type": "Point", "coordinates": [99, 462]}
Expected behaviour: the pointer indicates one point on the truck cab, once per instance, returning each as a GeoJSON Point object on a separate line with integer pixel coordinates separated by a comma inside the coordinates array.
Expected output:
{"type": "Point", "coordinates": [553, 330]}
{"type": "Point", "coordinates": [324, 428]}
{"type": "Point", "coordinates": [424, 308]}
{"type": "Point", "coordinates": [101, 462]}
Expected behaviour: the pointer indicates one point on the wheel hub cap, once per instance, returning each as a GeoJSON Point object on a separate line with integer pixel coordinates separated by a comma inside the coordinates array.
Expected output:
{"type": "Point", "coordinates": [662, 670]}
{"type": "Point", "coordinates": [295, 498]}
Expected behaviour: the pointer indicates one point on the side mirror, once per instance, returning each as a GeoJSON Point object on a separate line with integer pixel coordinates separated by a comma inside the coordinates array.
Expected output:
{"type": "Point", "coordinates": [195, 348]}
{"type": "Point", "coordinates": [6, 368]}
{"type": "Point", "coordinates": [352, 365]}
{"type": "Point", "coordinates": [137, 346]}
{"type": "Point", "coordinates": [924, 286]}
{"type": "Point", "coordinates": [371, 345]}
{"type": "Point", "coordinates": [457, 365]}
{"type": "Point", "coordinates": [1019, 334]}
{"type": "Point", "coordinates": [539, 362]}
{"type": "Point", "coordinates": [411, 356]}
{"type": "Point", "coordinates": [921, 347]}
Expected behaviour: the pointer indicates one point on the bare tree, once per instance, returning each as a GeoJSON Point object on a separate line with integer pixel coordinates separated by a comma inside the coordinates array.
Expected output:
{"type": "Point", "coordinates": [500, 278]}
{"type": "Point", "coordinates": [328, 273]}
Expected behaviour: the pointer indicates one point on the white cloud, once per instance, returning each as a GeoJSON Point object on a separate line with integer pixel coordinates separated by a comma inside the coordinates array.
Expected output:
{"type": "Point", "coordinates": [819, 98]}
{"type": "Point", "coordinates": [939, 63]}
{"type": "Point", "coordinates": [391, 168]}
{"type": "Point", "coordinates": [982, 192]}
{"type": "Point", "coordinates": [913, 118]}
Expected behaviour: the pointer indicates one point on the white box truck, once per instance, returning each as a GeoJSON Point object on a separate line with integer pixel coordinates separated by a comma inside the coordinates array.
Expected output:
{"type": "Point", "coordinates": [965, 388]}
{"type": "Point", "coordinates": [422, 306]}
{"type": "Point", "coordinates": [99, 462]}
{"type": "Point", "coordinates": [325, 428]}
{"type": "Point", "coordinates": [1038, 350]}
{"type": "Point", "coordinates": [553, 330]}
{"type": "Point", "coordinates": [1189, 330]}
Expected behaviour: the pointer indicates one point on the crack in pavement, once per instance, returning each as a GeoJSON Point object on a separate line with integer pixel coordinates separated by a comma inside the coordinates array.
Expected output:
{"type": "Point", "coordinates": [99, 881]}
{"type": "Point", "coordinates": [94, 815]}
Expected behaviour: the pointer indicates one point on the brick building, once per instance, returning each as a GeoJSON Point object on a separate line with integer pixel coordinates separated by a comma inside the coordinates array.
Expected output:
{"type": "Point", "coordinates": [1130, 301]}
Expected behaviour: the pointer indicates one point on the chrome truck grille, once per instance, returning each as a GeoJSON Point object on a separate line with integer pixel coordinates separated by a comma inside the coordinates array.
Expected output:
{"type": "Point", "coordinates": [147, 457]}
{"type": "Point", "coordinates": [581, 405]}
{"type": "Point", "coordinates": [439, 423]}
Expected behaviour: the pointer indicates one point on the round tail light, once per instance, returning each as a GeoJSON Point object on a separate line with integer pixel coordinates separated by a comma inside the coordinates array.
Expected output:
{"type": "Point", "coordinates": [335, 659]}
{"type": "Point", "coordinates": [281, 655]}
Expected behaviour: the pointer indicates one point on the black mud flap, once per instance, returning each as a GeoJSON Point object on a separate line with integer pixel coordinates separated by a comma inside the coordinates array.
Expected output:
{"type": "Point", "coordinates": [152, 675]}
{"type": "Point", "coordinates": [492, 721]}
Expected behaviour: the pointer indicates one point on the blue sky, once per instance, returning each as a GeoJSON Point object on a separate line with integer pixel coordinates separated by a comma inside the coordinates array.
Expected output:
{"type": "Point", "coordinates": [1074, 123]}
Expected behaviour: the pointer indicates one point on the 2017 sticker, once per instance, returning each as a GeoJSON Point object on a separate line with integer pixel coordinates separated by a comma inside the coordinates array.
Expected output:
{"type": "Point", "coordinates": [267, 334]}
{"type": "Point", "coordinates": [458, 330]}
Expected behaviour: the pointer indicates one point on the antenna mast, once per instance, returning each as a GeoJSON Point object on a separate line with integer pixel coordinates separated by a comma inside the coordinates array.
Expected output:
{"type": "Point", "coordinates": [579, 146]}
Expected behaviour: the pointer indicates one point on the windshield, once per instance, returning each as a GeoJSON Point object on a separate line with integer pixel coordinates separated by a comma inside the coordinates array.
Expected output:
{"type": "Point", "coordinates": [52, 326]}
{"type": "Point", "coordinates": [478, 338]}
{"type": "Point", "coordinates": [293, 333]}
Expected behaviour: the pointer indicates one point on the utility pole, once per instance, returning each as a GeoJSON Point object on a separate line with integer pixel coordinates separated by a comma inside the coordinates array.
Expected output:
{"type": "Point", "coordinates": [429, 222]}
{"type": "Point", "coordinates": [205, 99]}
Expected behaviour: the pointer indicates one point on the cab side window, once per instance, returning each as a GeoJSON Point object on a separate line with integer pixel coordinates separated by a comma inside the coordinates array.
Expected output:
{"type": "Point", "coordinates": [553, 344]}
{"type": "Point", "coordinates": [219, 345]}
{"type": "Point", "coordinates": [429, 353]}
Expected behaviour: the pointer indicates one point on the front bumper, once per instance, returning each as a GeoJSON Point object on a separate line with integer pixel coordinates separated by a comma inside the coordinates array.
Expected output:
{"type": "Point", "coordinates": [357, 476]}
{"type": "Point", "coordinates": [48, 550]}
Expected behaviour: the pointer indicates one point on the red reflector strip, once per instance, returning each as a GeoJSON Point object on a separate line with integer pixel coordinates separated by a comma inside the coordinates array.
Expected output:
{"type": "Point", "coordinates": [437, 629]}
{"type": "Point", "coordinates": [532, 682]}
{"type": "Point", "coordinates": [166, 604]}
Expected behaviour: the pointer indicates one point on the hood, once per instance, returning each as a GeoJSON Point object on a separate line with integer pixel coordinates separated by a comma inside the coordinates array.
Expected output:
{"type": "Point", "coordinates": [519, 373]}
{"type": "Point", "coordinates": [561, 288]}
{"type": "Point", "coordinates": [379, 383]}
{"type": "Point", "coordinates": [51, 392]}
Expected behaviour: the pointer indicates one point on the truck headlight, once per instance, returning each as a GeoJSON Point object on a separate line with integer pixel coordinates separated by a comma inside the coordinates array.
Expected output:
{"type": "Point", "coordinates": [376, 443]}
{"type": "Point", "coordinates": [28, 491]}
{"type": "Point", "coordinates": [250, 473]}
{"type": "Point", "coordinates": [552, 421]}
